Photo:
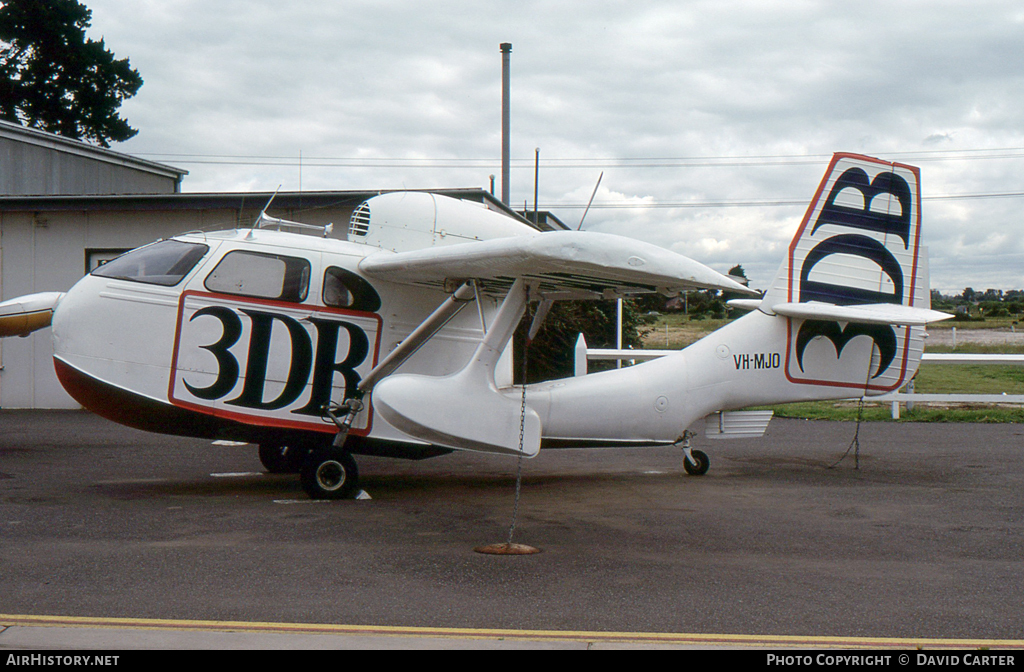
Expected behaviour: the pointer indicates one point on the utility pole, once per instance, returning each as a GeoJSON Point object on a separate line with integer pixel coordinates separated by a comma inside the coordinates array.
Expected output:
{"type": "Point", "coordinates": [506, 58]}
{"type": "Point", "coordinates": [536, 181]}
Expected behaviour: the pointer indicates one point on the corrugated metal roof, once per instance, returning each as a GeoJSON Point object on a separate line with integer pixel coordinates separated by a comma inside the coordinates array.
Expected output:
{"type": "Point", "coordinates": [34, 136]}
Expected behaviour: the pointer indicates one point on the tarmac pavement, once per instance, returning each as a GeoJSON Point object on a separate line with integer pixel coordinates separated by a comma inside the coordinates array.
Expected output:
{"type": "Point", "coordinates": [121, 539]}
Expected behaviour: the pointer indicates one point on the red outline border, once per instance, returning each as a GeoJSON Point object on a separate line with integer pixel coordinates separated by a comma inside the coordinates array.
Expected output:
{"type": "Point", "coordinates": [836, 158]}
{"type": "Point", "coordinates": [256, 419]}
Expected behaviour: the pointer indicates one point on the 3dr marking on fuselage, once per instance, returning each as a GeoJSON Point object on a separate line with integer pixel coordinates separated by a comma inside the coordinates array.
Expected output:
{"type": "Point", "coordinates": [269, 362]}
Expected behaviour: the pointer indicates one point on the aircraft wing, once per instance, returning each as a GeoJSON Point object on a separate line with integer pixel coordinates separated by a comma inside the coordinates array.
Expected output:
{"type": "Point", "coordinates": [584, 263]}
{"type": "Point", "coordinates": [25, 314]}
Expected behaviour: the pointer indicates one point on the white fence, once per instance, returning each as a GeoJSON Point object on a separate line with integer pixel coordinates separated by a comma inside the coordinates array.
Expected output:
{"type": "Point", "coordinates": [584, 354]}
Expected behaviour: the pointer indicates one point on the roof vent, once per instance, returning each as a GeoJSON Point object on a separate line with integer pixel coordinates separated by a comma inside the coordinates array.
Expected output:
{"type": "Point", "coordinates": [359, 225]}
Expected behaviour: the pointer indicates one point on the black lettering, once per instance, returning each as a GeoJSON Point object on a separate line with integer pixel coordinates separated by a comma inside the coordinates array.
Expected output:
{"type": "Point", "coordinates": [881, 334]}
{"type": "Point", "coordinates": [761, 360]}
{"type": "Point", "coordinates": [888, 222]}
{"type": "Point", "coordinates": [865, 218]}
{"type": "Point", "coordinates": [842, 295]}
{"type": "Point", "coordinates": [326, 366]}
{"type": "Point", "coordinates": [227, 365]}
{"type": "Point", "coordinates": [259, 352]}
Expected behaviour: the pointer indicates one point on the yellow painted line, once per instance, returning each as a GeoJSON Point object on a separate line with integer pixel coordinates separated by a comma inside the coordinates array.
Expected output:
{"type": "Point", "coordinates": [691, 639]}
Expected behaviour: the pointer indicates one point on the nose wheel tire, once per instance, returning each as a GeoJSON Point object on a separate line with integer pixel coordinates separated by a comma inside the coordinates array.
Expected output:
{"type": "Point", "coordinates": [700, 465]}
{"type": "Point", "coordinates": [329, 473]}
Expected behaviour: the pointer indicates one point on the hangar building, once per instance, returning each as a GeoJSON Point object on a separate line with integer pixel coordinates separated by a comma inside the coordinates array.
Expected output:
{"type": "Point", "coordinates": [67, 206]}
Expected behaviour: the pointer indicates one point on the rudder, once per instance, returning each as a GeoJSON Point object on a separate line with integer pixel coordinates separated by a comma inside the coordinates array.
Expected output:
{"type": "Point", "coordinates": [858, 247]}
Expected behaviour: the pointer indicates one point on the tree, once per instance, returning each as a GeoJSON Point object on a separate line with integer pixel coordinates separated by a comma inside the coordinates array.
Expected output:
{"type": "Point", "coordinates": [54, 78]}
{"type": "Point", "coordinates": [551, 354]}
{"type": "Point", "coordinates": [739, 274]}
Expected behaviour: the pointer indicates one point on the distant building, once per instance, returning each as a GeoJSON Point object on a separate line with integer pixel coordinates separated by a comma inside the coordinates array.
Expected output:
{"type": "Point", "coordinates": [543, 220]}
{"type": "Point", "coordinates": [66, 207]}
{"type": "Point", "coordinates": [34, 162]}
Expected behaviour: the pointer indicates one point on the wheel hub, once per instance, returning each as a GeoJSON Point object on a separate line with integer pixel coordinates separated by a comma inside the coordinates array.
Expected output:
{"type": "Point", "coordinates": [331, 475]}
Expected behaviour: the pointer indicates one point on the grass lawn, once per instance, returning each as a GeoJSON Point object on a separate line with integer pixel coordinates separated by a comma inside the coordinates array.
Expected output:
{"type": "Point", "coordinates": [987, 323]}
{"type": "Point", "coordinates": [674, 331]}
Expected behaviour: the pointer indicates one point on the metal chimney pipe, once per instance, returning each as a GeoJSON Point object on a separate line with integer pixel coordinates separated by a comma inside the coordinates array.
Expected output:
{"type": "Point", "coordinates": [506, 51]}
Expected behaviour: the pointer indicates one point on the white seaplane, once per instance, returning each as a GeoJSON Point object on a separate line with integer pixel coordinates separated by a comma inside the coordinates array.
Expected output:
{"type": "Point", "coordinates": [317, 349]}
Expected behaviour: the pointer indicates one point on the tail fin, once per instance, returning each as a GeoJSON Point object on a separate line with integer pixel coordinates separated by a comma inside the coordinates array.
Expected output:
{"type": "Point", "coordinates": [854, 283]}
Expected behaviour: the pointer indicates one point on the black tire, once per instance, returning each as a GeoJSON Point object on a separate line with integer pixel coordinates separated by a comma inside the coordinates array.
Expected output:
{"type": "Point", "coordinates": [281, 459]}
{"type": "Point", "coordinates": [329, 473]}
{"type": "Point", "coordinates": [702, 466]}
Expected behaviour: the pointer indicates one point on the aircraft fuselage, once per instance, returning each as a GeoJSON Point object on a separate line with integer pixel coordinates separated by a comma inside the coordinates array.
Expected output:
{"type": "Point", "coordinates": [262, 332]}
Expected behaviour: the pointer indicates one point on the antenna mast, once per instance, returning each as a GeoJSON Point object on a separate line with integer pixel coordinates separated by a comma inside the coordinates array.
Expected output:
{"type": "Point", "coordinates": [590, 201]}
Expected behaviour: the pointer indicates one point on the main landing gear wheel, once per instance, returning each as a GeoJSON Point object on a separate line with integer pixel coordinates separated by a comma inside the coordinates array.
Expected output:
{"type": "Point", "coordinates": [700, 465]}
{"type": "Point", "coordinates": [329, 472]}
{"type": "Point", "coordinates": [281, 459]}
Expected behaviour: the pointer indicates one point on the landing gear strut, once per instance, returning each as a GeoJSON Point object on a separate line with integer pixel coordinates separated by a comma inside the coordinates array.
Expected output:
{"type": "Point", "coordinates": [329, 471]}
{"type": "Point", "coordinates": [695, 462]}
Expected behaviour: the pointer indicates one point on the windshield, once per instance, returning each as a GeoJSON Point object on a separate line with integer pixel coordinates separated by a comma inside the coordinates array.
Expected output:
{"type": "Point", "coordinates": [163, 263]}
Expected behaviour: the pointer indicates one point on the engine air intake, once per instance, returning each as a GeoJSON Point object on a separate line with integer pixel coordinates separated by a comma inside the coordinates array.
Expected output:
{"type": "Point", "coordinates": [359, 225]}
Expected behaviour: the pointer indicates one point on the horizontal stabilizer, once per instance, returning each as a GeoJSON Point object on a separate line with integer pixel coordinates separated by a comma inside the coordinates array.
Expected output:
{"type": "Point", "coordinates": [737, 424]}
{"type": "Point", "coordinates": [23, 315]}
{"type": "Point", "coordinates": [560, 261]}
{"type": "Point", "coordinates": [872, 313]}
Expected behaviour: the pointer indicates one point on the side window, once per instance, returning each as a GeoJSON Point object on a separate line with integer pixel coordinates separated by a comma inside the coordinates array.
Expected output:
{"type": "Point", "coordinates": [265, 276]}
{"type": "Point", "coordinates": [345, 289]}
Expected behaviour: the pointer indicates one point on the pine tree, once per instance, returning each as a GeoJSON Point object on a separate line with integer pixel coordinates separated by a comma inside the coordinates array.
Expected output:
{"type": "Point", "coordinates": [54, 78]}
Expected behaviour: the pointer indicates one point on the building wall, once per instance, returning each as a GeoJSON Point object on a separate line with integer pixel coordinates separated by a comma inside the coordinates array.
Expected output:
{"type": "Point", "coordinates": [30, 169]}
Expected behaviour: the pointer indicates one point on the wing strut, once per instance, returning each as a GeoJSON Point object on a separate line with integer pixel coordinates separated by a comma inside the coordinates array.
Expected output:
{"type": "Point", "coordinates": [406, 349]}
{"type": "Point", "coordinates": [435, 408]}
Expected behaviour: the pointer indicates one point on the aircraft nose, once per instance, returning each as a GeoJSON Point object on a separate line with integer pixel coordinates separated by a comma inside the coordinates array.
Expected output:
{"type": "Point", "coordinates": [63, 317]}
{"type": "Point", "coordinates": [86, 325]}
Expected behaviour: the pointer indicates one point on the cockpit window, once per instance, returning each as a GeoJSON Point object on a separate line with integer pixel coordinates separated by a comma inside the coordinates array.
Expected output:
{"type": "Point", "coordinates": [260, 275]}
{"type": "Point", "coordinates": [164, 262]}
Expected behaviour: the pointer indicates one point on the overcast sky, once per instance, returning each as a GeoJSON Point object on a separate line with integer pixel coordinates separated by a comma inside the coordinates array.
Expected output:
{"type": "Point", "coordinates": [711, 121]}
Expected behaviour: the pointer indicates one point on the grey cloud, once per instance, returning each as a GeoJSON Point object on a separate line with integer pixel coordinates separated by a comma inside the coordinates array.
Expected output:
{"type": "Point", "coordinates": [602, 80]}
